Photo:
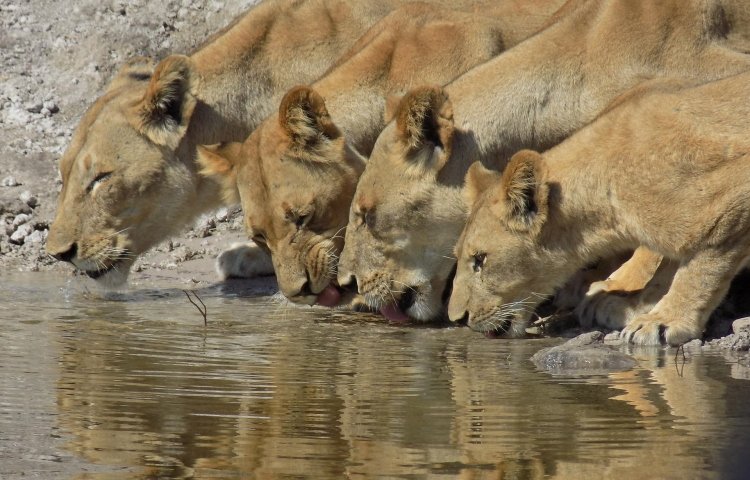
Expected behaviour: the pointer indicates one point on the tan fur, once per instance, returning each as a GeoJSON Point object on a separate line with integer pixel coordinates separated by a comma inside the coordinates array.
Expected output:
{"type": "Point", "coordinates": [144, 130]}
{"type": "Point", "coordinates": [532, 96]}
{"type": "Point", "coordinates": [666, 171]}
{"type": "Point", "coordinates": [299, 169]}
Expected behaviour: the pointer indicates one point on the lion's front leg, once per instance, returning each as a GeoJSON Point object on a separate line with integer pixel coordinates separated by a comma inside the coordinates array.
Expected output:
{"type": "Point", "coordinates": [635, 289]}
{"type": "Point", "coordinates": [243, 260]}
{"type": "Point", "coordinates": [697, 289]}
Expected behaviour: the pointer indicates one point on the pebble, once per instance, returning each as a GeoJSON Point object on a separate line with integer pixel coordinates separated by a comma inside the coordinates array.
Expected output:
{"type": "Point", "coordinates": [51, 106]}
{"type": "Point", "coordinates": [37, 236]}
{"type": "Point", "coordinates": [20, 219]}
{"type": "Point", "coordinates": [34, 107]}
{"type": "Point", "coordinates": [19, 236]}
{"type": "Point", "coordinates": [10, 182]}
{"type": "Point", "coordinates": [741, 325]}
{"type": "Point", "coordinates": [29, 199]}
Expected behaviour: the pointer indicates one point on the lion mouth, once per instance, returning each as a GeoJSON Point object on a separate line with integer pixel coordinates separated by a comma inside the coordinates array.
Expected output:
{"type": "Point", "coordinates": [96, 274]}
{"type": "Point", "coordinates": [395, 312]}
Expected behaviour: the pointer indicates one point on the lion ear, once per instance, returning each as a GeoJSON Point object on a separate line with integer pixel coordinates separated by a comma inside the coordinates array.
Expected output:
{"type": "Point", "coordinates": [478, 179]}
{"type": "Point", "coordinates": [220, 163]}
{"type": "Point", "coordinates": [524, 192]}
{"type": "Point", "coordinates": [391, 107]}
{"type": "Point", "coordinates": [304, 117]}
{"type": "Point", "coordinates": [164, 111]}
{"type": "Point", "coordinates": [424, 125]}
{"type": "Point", "coordinates": [137, 69]}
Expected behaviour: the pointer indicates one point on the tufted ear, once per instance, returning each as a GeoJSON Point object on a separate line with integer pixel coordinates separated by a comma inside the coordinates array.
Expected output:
{"type": "Point", "coordinates": [137, 69]}
{"type": "Point", "coordinates": [164, 111]}
{"type": "Point", "coordinates": [220, 163]}
{"type": "Point", "coordinates": [305, 119]}
{"type": "Point", "coordinates": [478, 179]}
{"type": "Point", "coordinates": [524, 193]}
{"type": "Point", "coordinates": [391, 107]}
{"type": "Point", "coordinates": [424, 125]}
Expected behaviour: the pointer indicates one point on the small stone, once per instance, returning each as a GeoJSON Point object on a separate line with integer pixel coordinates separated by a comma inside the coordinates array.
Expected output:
{"type": "Point", "coordinates": [34, 107]}
{"type": "Point", "coordinates": [741, 325]}
{"type": "Point", "coordinates": [19, 236]}
{"type": "Point", "coordinates": [29, 199]}
{"type": "Point", "coordinates": [37, 236]}
{"type": "Point", "coordinates": [20, 219]}
{"type": "Point", "coordinates": [9, 182]}
{"type": "Point", "coordinates": [222, 215]}
{"type": "Point", "coordinates": [51, 106]}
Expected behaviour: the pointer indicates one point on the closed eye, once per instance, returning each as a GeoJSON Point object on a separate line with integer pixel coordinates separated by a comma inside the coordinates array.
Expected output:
{"type": "Point", "coordinates": [97, 180]}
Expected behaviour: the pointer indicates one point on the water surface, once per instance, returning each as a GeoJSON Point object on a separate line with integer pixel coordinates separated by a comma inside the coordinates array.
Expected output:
{"type": "Point", "coordinates": [134, 385]}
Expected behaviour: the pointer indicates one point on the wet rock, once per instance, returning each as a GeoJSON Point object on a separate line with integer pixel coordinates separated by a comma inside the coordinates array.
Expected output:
{"type": "Point", "coordinates": [739, 342]}
{"type": "Point", "coordinates": [9, 182]}
{"type": "Point", "coordinates": [19, 236]}
{"type": "Point", "coordinates": [585, 354]}
{"type": "Point", "coordinates": [613, 338]}
{"type": "Point", "coordinates": [741, 325]}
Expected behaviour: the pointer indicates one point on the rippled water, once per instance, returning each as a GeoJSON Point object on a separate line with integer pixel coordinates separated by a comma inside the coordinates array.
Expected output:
{"type": "Point", "coordinates": [134, 385]}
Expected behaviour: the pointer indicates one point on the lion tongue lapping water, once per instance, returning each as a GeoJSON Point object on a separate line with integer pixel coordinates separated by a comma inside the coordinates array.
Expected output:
{"type": "Point", "coordinates": [393, 313]}
{"type": "Point", "coordinates": [329, 297]}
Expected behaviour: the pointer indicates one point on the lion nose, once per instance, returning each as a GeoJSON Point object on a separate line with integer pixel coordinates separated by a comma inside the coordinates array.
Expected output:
{"type": "Point", "coordinates": [348, 282]}
{"type": "Point", "coordinates": [462, 320]}
{"type": "Point", "coordinates": [304, 291]}
{"type": "Point", "coordinates": [67, 255]}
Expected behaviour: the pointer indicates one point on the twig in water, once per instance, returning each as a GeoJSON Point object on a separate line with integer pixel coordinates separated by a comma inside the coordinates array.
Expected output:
{"type": "Point", "coordinates": [680, 347]}
{"type": "Point", "coordinates": [203, 311]}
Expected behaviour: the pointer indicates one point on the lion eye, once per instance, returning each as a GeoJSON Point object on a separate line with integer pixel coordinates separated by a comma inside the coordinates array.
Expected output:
{"type": "Point", "coordinates": [97, 180]}
{"type": "Point", "coordinates": [479, 259]}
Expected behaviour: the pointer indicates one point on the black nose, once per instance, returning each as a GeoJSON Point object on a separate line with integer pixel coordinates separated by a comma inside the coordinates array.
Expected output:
{"type": "Point", "coordinates": [304, 291]}
{"type": "Point", "coordinates": [67, 255]}
{"type": "Point", "coordinates": [464, 320]}
{"type": "Point", "coordinates": [350, 283]}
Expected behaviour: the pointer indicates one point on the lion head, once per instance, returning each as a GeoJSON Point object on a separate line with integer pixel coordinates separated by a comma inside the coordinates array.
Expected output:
{"type": "Point", "coordinates": [407, 213]}
{"type": "Point", "coordinates": [123, 183]}
{"type": "Point", "coordinates": [506, 258]}
{"type": "Point", "coordinates": [295, 176]}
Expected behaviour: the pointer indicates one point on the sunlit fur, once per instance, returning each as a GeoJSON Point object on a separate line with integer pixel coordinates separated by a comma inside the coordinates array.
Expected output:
{"type": "Point", "coordinates": [532, 96]}
{"type": "Point", "coordinates": [667, 170]}
{"type": "Point", "coordinates": [305, 161]}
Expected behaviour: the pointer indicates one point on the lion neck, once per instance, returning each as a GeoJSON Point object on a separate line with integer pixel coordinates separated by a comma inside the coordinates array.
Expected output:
{"type": "Point", "coordinates": [583, 224]}
{"type": "Point", "coordinates": [544, 89]}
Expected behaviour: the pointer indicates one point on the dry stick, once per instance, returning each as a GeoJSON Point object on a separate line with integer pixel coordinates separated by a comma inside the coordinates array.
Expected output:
{"type": "Point", "coordinates": [203, 311]}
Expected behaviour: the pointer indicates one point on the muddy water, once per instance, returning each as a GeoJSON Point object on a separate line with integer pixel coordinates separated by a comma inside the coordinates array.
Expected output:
{"type": "Point", "coordinates": [134, 385]}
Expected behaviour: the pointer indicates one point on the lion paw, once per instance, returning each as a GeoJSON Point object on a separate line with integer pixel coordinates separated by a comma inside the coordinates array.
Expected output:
{"type": "Point", "coordinates": [243, 260]}
{"type": "Point", "coordinates": [611, 309]}
{"type": "Point", "coordinates": [654, 329]}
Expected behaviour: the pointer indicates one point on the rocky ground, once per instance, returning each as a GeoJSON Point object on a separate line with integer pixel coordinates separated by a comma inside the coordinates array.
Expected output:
{"type": "Point", "coordinates": [56, 58]}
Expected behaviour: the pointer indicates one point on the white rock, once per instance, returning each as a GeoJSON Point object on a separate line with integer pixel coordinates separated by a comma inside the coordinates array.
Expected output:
{"type": "Point", "coordinates": [37, 236]}
{"type": "Point", "coordinates": [742, 324]}
{"type": "Point", "coordinates": [20, 219]}
{"type": "Point", "coordinates": [9, 182]}
{"type": "Point", "coordinates": [29, 199]}
{"type": "Point", "coordinates": [19, 236]}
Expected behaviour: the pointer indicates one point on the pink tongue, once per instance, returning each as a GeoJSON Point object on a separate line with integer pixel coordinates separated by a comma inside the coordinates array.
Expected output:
{"type": "Point", "coordinates": [329, 297]}
{"type": "Point", "coordinates": [394, 314]}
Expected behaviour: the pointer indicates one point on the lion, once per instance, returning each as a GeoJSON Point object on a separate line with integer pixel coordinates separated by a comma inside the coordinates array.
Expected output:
{"type": "Point", "coordinates": [407, 212]}
{"type": "Point", "coordinates": [129, 174]}
{"type": "Point", "coordinates": [296, 173]}
{"type": "Point", "coordinates": [666, 171]}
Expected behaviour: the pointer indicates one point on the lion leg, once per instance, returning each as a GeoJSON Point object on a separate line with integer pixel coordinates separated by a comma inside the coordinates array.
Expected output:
{"type": "Point", "coordinates": [698, 287]}
{"type": "Point", "coordinates": [243, 260]}
{"type": "Point", "coordinates": [632, 289]}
